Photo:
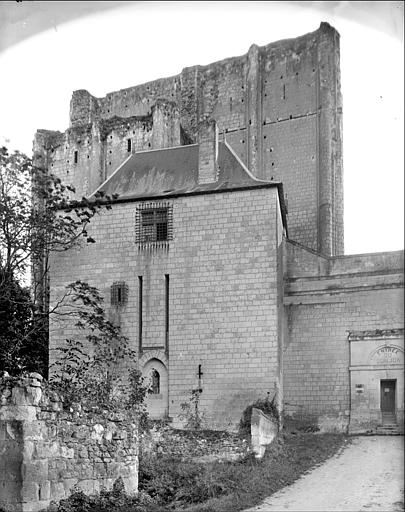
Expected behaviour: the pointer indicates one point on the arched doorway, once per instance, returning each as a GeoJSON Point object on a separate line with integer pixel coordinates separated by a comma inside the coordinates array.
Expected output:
{"type": "Point", "coordinates": [155, 377]}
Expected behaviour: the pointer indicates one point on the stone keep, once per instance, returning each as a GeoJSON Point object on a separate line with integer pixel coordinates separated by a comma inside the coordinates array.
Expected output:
{"type": "Point", "coordinates": [239, 296]}
{"type": "Point", "coordinates": [279, 108]}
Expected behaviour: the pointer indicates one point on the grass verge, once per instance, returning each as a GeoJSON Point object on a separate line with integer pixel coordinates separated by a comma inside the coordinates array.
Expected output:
{"type": "Point", "coordinates": [234, 486]}
{"type": "Point", "coordinates": [167, 483]}
{"type": "Point", "coordinates": [285, 461]}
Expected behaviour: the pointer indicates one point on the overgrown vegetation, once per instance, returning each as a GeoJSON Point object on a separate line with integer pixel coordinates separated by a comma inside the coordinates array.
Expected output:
{"type": "Point", "coordinates": [267, 405]}
{"type": "Point", "coordinates": [37, 218]}
{"type": "Point", "coordinates": [193, 416]}
{"type": "Point", "coordinates": [115, 500]}
{"type": "Point", "coordinates": [289, 457]}
{"type": "Point", "coordinates": [167, 483]}
{"type": "Point", "coordinates": [99, 372]}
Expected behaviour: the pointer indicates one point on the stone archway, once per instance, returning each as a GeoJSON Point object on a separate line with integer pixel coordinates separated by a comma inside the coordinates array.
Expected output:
{"type": "Point", "coordinates": [155, 375]}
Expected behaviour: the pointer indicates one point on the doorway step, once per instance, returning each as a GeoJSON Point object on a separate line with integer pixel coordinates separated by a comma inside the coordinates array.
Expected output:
{"type": "Point", "coordinates": [389, 426]}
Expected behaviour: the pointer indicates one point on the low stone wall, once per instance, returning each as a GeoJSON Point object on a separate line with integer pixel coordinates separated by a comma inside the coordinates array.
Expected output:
{"type": "Point", "coordinates": [199, 446]}
{"type": "Point", "coordinates": [45, 451]}
{"type": "Point", "coordinates": [263, 430]}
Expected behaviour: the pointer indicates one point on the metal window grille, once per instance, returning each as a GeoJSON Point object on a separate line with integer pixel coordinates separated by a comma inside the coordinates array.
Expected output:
{"type": "Point", "coordinates": [154, 225]}
{"type": "Point", "coordinates": [119, 293]}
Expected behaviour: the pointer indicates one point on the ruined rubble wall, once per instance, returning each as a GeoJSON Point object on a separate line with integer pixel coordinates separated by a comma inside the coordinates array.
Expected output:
{"type": "Point", "coordinates": [279, 107]}
{"type": "Point", "coordinates": [45, 451]}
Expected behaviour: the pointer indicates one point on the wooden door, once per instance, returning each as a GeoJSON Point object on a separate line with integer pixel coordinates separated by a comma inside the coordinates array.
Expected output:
{"type": "Point", "coordinates": [388, 395]}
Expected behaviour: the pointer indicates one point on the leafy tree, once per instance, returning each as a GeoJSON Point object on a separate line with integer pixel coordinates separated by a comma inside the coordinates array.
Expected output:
{"type": "Point", "coordinates": [37, 217]}
{"type": "Point", "coordinates": [14, 316]}
{"type": "Point", "coordinates": [97, 370]}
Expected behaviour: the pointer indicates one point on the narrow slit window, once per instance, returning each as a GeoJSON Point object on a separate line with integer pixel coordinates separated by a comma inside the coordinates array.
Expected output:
{"type": "Point", "coordinates": [76, 156]}
{"type": "Point", "coordinates": [140, 312]}
{"type": "Point", "coordinates": [129, 145]}
{"type": "Point", "coordinates": [284, 92]}
{"type": "Point", "coordinates": [167, 291]}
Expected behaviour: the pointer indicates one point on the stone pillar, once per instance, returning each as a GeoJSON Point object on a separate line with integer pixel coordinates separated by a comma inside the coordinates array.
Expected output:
{"type": "Point", "coordinates": [190, 90]}
{"type": "Point", "coordinates": [253, 112]}
{"type": "Point", "coordinates": [330, 200]}
{"type": "Point", "coordinates": [18, 412]}
{"type": "Point", "coordinates": [207, 152]}
{"type": "Point", "coordinates": [166, 125]}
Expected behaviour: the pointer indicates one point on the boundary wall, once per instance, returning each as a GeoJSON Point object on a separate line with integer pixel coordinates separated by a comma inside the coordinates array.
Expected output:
{"type": "Point", "coordinates": [45, 451]}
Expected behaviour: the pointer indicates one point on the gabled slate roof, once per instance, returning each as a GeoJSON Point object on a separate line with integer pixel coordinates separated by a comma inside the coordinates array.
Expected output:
{"type": "Point", "coordinates": [174, 172]}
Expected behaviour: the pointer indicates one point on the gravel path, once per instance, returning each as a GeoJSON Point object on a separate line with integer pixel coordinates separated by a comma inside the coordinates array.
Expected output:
{"type": "Point", "coordinates": [367, 475]}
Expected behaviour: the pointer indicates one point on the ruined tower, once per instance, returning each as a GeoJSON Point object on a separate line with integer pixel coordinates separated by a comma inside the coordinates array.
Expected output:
{"type": "Point", "coordinates": [279, 107]}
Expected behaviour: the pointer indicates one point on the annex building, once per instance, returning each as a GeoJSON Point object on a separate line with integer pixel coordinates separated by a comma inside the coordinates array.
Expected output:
{"type": "Point", "coordinates": [222, 257]}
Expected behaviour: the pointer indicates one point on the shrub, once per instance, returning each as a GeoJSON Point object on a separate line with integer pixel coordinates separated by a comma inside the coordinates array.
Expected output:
{"type": "Point", "coordinates": [97, 371]}
{"type": "Point", "coordinates": [168, 479]}
{"type": "Point", "coordinates": [266, 405]}
{"type": "Point", "coordinates": [115, 500]}
{"type": "Point", "coordinates": [191, 411]}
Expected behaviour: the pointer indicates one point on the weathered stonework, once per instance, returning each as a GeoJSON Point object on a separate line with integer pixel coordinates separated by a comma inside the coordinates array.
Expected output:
{"type": "Point", "coordinates": [279, 107]}
{"type": "Point", "coordinates": [45, 451]}
{"type": "Point", "coordinates": [196, 445]}
{"type": "Point", "coordinates": [260, 300]}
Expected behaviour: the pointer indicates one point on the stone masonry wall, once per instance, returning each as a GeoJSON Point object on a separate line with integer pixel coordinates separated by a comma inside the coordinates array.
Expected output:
{"type": "Point", "coordinates": [279, 107]}
{"type": "Point", "coordinates": [196, 445]}
{"type": "Point", "coordinates": [45, 451]}
{"type": "Point", "coordinates": [322, 305]}
{"type": "Point", "coordinates": [222, 264]}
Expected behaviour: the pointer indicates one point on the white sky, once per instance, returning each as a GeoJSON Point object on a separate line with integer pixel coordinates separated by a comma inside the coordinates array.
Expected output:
{"type": "Point", "coordinates": [143, 41]}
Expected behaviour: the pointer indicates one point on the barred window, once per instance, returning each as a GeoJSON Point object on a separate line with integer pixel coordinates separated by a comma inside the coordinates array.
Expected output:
{"type": "Point", "coordinates": [119, 293]}
{"type": "Point", "coordinates": [154, 224]}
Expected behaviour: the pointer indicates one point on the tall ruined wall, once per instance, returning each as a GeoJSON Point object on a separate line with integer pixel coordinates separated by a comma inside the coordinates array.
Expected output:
{"type": "Point", "coordinates": [86, 154]}
{"type": "Point", "coordinates": [279, 107]}
{"type": "Point", "coordinates": [223, 298]}
{"type": "Point", "coordinates": [45, 451]}
{"type": "Point", "coordinates": [325, 300]}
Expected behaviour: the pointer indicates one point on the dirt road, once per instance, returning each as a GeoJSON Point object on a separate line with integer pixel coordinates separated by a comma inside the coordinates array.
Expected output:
{"type": "Point", "coordinates": [367, 475]}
